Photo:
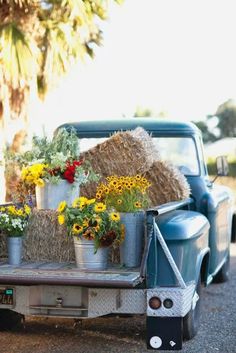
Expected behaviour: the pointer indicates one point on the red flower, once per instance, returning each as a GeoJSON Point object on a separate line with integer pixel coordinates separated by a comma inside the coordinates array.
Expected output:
{"type": "Point", "coordinates": [69, 173]}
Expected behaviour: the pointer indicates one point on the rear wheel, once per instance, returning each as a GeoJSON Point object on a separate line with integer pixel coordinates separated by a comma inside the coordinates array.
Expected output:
{"type": "Point", "coordinates": [9, 319]}
{"type": "Point", "coordinates": [191, 321]}
{"type": "Point", "coordinates": [223, 274]}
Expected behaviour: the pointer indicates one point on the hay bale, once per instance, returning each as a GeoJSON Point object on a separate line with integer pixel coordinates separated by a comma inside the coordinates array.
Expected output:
{"type": "Point", "coordinates": [168, 183]}
{"type": "Point", "coordinates": [124, 153]}
{"type": "Point", "coordinates": [46, 240]}
{"type": "Point", "coordinates": [3, 246]}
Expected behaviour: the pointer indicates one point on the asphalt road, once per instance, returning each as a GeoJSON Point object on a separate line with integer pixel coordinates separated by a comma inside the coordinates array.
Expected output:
{"type": "Point", "coordinates": [217, 331]}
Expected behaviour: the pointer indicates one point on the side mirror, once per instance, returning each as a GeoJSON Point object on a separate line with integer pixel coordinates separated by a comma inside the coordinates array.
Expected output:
{"type": "Point", "coordinates": [222, 166]}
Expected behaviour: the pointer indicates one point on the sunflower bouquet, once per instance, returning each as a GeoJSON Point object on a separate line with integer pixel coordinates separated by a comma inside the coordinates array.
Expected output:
{"type": "Point", "coordinates": [90, 220]}
{"type": "Point", "coordinates": [124, 193]}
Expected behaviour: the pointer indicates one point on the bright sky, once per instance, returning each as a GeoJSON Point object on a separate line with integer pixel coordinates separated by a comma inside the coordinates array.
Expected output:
{"type": "Point", "coordinates": [166, 55]}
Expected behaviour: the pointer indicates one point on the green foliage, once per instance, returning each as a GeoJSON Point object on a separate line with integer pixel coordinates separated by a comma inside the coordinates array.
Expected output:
{"type": "Point", "coordinates": [40, 40]}
{"type": "Point", "coordinates": [211, 166]}
{"type": "Point", "coordinates": [207, 135]}
{"type": "Point", "coordinates": [64, 146]}
{"type": "Point", "coordinates": [226, 114]}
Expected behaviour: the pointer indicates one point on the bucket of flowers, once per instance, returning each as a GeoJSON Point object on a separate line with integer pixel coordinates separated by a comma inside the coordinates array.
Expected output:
{"type": "Point", "coordinates": [55, 168]}
{"type": "Point", "coordinates": [94, 231]}
{"type": "Point", "coordinates": [13, 223]}
{"type": "Point", "coordinates": [127, 195]}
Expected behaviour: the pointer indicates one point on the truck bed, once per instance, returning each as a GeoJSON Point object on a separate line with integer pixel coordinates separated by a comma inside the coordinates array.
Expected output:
{"type": "Point", "coordinates": [68, 274]}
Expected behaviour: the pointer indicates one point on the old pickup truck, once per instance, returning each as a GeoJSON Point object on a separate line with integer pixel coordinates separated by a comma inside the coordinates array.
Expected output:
{"type": "Point", "coordinates": [186, 245]}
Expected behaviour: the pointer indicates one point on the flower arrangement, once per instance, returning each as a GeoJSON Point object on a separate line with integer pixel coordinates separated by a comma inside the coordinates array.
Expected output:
{"type": "Point", "coordinates": [90, 220]}
{"type": "Point", "coordinates": [14, 219]}
{"type": "Point", "coordinates": [54, 160]}
{"type": "Point", "coordinates": [124, 193]}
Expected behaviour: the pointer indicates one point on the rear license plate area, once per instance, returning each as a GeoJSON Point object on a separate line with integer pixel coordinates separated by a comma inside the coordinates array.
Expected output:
{"type": "Point", "coordinates": [6, 297]}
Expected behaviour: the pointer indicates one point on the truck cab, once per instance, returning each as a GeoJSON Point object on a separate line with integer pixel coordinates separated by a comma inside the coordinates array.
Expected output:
{"type": "Point", "coordinates": [186, 244]}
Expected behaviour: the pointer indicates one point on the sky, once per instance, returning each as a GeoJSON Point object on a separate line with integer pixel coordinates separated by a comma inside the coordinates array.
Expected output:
{"type": "Point", "coordinates": [176, 56]}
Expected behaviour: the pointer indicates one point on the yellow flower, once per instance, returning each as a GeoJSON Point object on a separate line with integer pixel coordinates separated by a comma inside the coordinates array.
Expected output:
{"type": "Point", "coordinates": [100, 207]}
{"type": "Point", "coordinates": [27, 209]}
{"type": "Point", "coordinates": [12, 210]}
{"type": "Point", "coordinates": [138, 204]}
{"type": "Point", "coordinates": [85, 223]}
{"type": "Point", "coordinates": [39, 182]}
{"type": "Point", "coordinates": [19, 212]}
{"type": "Point", "coordinates": [62, 205]}
{"type": "Point", "coordinates": [61, 219]}
{"type": "Point", "coordinates": [83, 199]}
{"type": "Point", "coordinates": [2, 209]}
{"type": "Point", "coordinates": [91, 201]}
{"type": "Point", "coordinates": [119, 201]}
{"type": "Point", "coordinates": [115, 216]}
{"type": "Point", "coordinates": [76, 202]}
{"type": "Point", "coordinates": [77, 229]}
{"type": "Point", "coordinates": [98, 195]}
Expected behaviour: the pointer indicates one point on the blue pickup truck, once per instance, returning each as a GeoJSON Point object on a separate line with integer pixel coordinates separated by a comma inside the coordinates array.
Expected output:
{"type": "Point", "coordinates": [186, 245]}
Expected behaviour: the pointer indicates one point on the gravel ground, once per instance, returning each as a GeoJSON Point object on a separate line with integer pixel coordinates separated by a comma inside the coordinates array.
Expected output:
{"type": "Point", "coordinates": [217, 332]}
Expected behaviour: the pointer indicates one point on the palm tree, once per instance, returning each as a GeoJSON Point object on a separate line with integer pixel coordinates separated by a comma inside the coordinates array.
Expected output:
{"type": "Point", "coordinates": [39, 41]}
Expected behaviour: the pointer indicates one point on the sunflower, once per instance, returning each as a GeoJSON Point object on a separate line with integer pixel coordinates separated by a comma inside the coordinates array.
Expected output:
{"type": "Point", "coordinates": [76, 202]}
{"type": "Point", "coordinates": [77, 229]}
{"type": "Point", "coordinates": [61, 219]}
{"type": "Point", "coordinates": [138, 204]}
{"type": "Point", "coordinates": [89, 234]}
{"type": "Point", "coordinates": [119, 202]}
{"type": "Point", "coordinates": [91, 201]}
{"type": "Point", "coordinates": [62, 205]}
{"type": "Point", "coordinates": [114, 216]}
{"type": "Point", "coordinates": [100, 207]}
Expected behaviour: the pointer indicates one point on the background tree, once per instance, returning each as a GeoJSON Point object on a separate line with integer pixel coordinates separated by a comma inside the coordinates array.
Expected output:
{"type": "Point", "coordinates": [207, 135]}
{"type": "Point", "coordinates": [226, 114]}
{"type": "Point", "coordinates": [146, 112]}
{"type": "Point", "coordinates": [39, 41]}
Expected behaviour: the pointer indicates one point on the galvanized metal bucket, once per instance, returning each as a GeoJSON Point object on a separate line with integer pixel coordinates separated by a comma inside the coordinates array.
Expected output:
{"type": "Point", "coordinates": [14, 248]}
{"type": "Point", "coordinates": [131, 248]}
{"type": "Point", "coordinates": [85, 257]}
{"type": "Point", "coordinates": [49, 196]}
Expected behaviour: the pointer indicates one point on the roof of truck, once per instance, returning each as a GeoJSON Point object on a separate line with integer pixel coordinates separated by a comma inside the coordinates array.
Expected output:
{"type": "Point", "coordinates": [104, 127]}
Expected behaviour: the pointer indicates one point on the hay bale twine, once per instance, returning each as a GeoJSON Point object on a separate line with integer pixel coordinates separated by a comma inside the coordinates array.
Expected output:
{"type": "Point", "coordinates": [46, 240]}
{"type": "Point", "coordinates": [167, 183]}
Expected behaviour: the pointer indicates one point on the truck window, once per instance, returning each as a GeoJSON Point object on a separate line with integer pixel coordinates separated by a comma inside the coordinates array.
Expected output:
{"type": "Point", "coordinates": [180, 151]}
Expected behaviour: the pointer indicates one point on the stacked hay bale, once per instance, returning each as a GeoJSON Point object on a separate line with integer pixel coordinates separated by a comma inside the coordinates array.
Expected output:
{"type": "Point", "coordinates": [133, 152]}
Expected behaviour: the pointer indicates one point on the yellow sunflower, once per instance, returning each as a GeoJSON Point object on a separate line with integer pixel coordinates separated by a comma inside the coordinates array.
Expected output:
{"type": "Point", "coordinates": [115, 216]}
{"type": "Point", "coordinates": [138, 204]}
{"type": "Point", "coordinates": [61, 219]}
{"type": "Point", "coordinates": [100, 207]}
{"type": "Point", "coordinates": [77, 229]}
{"type": "Point", "coordinates": [91, 201]}
{"type": "Point", "coordinates": [62, 205]}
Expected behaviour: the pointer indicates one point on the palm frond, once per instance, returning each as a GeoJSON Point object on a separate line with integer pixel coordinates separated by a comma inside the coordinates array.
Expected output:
{"type": "Point", "coordinates": [18, 56]}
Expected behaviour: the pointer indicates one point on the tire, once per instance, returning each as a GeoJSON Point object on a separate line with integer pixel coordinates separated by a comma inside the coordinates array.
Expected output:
{"type": "Point", "coordinates": [233, 230]}
{"type": "Point", "coordinates": [191, 321]}
{"type": "Point", "coordinates": [10, 320]}
{"type": "Point", "coordinates": [223, 275]}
